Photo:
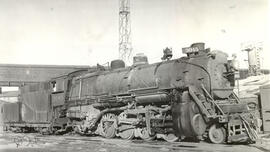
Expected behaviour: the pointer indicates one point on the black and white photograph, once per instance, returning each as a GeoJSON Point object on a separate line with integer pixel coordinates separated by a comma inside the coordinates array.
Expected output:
{"type": "Point", "coordinates": [134, 76]}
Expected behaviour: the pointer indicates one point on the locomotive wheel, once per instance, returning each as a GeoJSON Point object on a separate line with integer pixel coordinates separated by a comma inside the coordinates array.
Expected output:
{"type": "Point", "coordinates": [127, 132]}
{"type": "Point", "coordinates": [143, 133]}
{"type": "Point", "coordinates": [170, 137]}
{"type": "Point", "coordinates": [108, 129]}
{"type": "Point", "coordinates": [217, 134]}
{"type": "Point", "coordinates": [198, 125]}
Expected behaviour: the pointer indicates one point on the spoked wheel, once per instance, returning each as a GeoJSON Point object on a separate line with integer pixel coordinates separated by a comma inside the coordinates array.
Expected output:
{"type": "Point", "coordinates": [143, 133]}
{"type": "Point", "coordinates": [127, 132]}
{"type": "Point", "coordinates": [217, 134]}
{"type": "Point", "coordinates": [170, 137]}
{"type": "Point", "coordinates": [107, 123]}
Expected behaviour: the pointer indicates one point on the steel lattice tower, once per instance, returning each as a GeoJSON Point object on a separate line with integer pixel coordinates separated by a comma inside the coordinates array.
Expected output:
{"type": "Point", "coordinates": [125, 48]}
{"type": "Point", "coordinates": [254, 57]}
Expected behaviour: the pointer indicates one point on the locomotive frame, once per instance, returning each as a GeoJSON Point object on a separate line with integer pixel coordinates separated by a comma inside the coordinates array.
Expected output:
{"type": "Point", "coordinates": [189, 97]}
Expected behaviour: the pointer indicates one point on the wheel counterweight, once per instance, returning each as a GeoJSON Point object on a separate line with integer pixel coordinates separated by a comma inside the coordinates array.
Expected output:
{"type": "Point", "coordinates": [127, 132]}
{"type": "Point", "coordinates": [143, 133]}
{"type": "Point", "coordinates": [170, 137]}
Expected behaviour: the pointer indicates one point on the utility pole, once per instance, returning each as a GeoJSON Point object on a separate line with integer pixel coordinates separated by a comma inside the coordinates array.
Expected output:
{"type": "Point", "coordinates": [125, 48]}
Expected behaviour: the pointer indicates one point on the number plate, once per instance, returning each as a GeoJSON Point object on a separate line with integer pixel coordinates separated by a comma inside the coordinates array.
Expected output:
{"type": "Point", "coordinates": [188, 50]}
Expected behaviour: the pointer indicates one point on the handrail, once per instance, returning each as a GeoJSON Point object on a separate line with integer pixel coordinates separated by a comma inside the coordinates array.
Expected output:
{"type": "Point", "coordinates": [236, 97]}
{"type": "Point", "coordinates": [212, 100]}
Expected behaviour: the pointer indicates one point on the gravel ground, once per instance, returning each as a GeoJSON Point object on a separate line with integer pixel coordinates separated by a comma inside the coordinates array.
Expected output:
{"type": "Point", "coordinates": [263, 142]}
{"type": "Point", "coordinates": [10, 142]}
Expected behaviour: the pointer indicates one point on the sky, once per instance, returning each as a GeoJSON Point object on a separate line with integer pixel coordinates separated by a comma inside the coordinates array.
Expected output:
{"type": "Point", "coordinates": [85, 32]}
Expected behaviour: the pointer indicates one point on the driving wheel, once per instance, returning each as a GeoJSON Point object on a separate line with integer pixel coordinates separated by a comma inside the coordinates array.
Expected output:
{"type": "Point", "coordinates": [108, 129]}
{"type": "Point", "coordinates": [126, 131]}
{"type": "Point", "coordinates": [143, 133]}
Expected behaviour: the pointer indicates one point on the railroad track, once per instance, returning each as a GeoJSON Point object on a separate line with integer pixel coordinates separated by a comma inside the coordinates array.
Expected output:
{"type": "Point", "coordinates": [155, 145]}
{"type": "Point", "coordinates": [165, 146]}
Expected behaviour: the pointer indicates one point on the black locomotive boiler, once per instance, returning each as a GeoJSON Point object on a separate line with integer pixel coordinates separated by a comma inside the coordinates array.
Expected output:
{"type": "Point", "coordinates": [189, 97]}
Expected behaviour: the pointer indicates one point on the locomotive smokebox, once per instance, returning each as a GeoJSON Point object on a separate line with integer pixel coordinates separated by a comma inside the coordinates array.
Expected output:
{"type": "Point", "coordinates": [140, 59]}
{"type": "Point", "coordinates": [117, 64]}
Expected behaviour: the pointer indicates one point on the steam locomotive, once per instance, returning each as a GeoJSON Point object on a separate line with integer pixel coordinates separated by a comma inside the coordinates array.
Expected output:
{"type": "Point", "coordinates": [188, 97]}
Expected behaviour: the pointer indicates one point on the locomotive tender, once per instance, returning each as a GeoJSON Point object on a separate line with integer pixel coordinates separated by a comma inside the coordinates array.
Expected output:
{"type": "Point", "coordinates": [189, 97]}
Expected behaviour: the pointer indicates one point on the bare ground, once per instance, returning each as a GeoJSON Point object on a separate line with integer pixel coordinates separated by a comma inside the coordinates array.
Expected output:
{"type": "Point", "coordinates": [11, 142]}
